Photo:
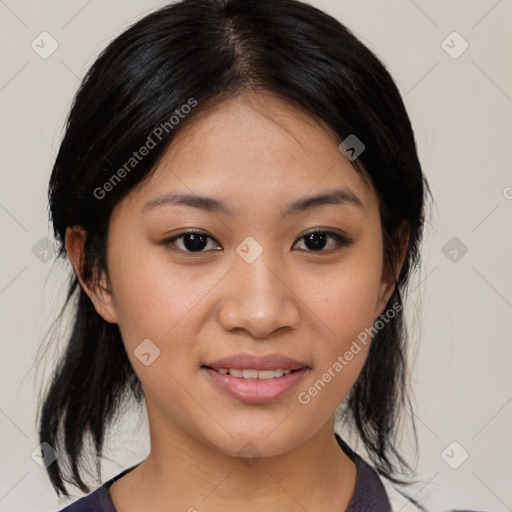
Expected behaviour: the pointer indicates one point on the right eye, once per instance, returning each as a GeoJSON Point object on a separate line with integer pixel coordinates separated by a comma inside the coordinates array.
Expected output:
{"type": "Point", "coordinates": [193, 241]}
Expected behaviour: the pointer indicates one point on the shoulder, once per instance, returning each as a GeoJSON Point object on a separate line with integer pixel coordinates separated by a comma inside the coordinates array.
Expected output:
{"type": "Point", "coordinates": [372, 491]}
{"type": "Point", "coordinates": [397, 500]}
{"type": "Point", "coordinates": [97, 501]}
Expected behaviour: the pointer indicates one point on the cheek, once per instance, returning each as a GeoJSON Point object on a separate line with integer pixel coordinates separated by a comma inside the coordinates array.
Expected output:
{"type": "Point", "coordinates": [344, 298]}
{"type": "Point", "coordinates": [342, 306]}
{"type": "Point", "coordinates": [155, 302]}
{"type": "Point", "coordinates": [149, 297]}
{"type": "Point", "coordinates": [145, 305]}
{"type": "Point", "coordinates": [160, 301]}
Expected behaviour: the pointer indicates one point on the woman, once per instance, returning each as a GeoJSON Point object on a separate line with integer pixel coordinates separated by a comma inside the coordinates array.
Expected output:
{"type": "Point", "coordinates": [239, 193]}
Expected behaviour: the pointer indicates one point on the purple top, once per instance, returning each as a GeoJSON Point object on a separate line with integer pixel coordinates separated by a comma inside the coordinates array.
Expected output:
{"type": "Point", "coordinates": [369, 493]}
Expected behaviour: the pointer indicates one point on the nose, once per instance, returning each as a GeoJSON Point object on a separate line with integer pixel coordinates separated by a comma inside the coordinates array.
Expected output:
{"type": "Point", "coordinates": [258, 299]}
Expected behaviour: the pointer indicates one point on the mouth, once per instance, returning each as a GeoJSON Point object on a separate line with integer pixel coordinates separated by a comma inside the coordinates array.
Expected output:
{"type": "Point", "coordinates": [252, 373]}
{"type": "Point", "coordinates": [255, 379]}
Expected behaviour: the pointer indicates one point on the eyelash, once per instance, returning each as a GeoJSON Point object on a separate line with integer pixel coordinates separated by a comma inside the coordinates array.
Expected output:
{"type": "Point", "coordinates": [341, 240]}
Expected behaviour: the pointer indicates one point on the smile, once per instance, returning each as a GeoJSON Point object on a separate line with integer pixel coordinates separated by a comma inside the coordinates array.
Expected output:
{"type": "Point", "coordinates": [254, 386]}
{"type": "Point", "coordinates": [253, 374]}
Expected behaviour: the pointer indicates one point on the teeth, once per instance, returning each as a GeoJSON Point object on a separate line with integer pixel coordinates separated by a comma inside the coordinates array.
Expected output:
{"type": "Point", "coordinates": [254, 374]}
{"type": "Point", "coordinates": [266, 374]}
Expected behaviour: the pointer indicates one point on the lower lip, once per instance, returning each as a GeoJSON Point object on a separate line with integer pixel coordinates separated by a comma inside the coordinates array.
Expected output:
{"type": "Point", "coordinates": [255, 391]}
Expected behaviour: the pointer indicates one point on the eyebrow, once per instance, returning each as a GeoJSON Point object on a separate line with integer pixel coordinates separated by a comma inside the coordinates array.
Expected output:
{"type": "Point", "coordinates": [340, 196]}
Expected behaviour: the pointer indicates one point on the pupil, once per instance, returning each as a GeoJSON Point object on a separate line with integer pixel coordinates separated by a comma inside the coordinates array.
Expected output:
{"type": "Point", "coordinates": [318, 244]}
{"type": "Point", "coordinates": [195, 242]}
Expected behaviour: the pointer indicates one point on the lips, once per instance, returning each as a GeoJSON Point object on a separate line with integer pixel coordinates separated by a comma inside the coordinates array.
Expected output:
{"type": "Point", "coordinates": [255, 379]}
{"type": "Point", "coordinates": [260, 363]}
{"type": "Point", "coordinates": [252, 373]}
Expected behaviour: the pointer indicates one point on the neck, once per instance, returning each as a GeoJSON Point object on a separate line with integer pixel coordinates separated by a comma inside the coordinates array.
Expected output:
{"type": "Point", "coordinates": [187, 474]}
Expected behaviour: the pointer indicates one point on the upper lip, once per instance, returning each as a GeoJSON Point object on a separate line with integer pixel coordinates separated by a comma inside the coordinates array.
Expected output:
{"type": "Point", "coordinates": [257, 362]}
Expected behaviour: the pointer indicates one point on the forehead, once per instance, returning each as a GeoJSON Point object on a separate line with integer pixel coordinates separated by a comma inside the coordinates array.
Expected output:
{"type": "Point", "coordinates": [254, 149]}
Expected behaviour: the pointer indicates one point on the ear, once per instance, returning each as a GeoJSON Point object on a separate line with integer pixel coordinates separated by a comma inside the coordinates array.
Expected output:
{"type": "Point", "coordinates": [98, 290]}
{"type": "Point", "coordinates": [387, 285]}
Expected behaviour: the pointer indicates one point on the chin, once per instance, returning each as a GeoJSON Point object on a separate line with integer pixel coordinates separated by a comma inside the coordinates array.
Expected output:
{"type": "Point", "coordinates": [257, 443]}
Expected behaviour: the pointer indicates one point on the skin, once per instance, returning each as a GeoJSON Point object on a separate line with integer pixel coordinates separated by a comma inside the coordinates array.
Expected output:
{"type": "Point", "coordinates": [258, 154]}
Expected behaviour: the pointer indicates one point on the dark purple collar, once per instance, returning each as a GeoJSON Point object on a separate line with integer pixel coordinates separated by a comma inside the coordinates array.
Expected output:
{"type": "Point", "coordinates": [369, 494]}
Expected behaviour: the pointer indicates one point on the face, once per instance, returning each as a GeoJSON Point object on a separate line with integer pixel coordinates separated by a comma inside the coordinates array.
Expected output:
{"type": "Point", "coordinates": [250, 286]}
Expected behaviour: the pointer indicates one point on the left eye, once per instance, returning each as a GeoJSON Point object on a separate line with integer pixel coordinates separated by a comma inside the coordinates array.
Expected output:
{"type": "Point", "coordinates": [318, 240]}
{"type": "Point", "coordinates": [315, 241]}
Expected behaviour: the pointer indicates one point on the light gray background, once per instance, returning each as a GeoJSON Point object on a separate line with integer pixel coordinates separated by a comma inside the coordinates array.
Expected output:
{"type": "Point", "coordinates": [460, 310]}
